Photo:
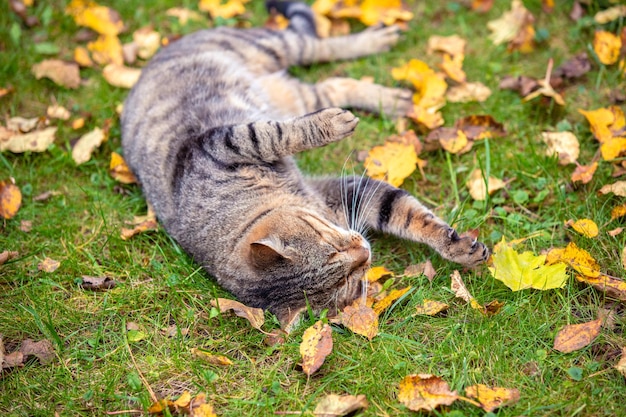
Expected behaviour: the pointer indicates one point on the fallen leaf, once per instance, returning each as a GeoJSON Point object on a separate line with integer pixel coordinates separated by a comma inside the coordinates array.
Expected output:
{"type": "Point", "coordinates": [78, 123]}
{"type": "Point", "coordinates": [101, 19]}
{"type": "Point", "coordinates": [618, 188]}
{"type": "Point", "coordinates": [424, 268]}
{"type": "Point", "coordinates": [621, 365]}
{"type": "Point", "coordinates": [135, 336]}
{"type": "Point", "coordinates": [46, 195]}
{"type": "Point", "coordinates": [467, 92]}
{"type": "Point", "coordinates": [150, 224]}
{"type": "Point", "coordinates": [334, 405]}
{"type": "Point", "coordinates": [613, 287]}
{"type": "Point", "coordinates": [65, 74]}
{"type": "Point", "coordinates": [120, 75]}
{"type": "Point", "coordinates": [522, 84]}
{"type": "Point", "coordinates": [585, 227]}
{"type": "Point", "coordinates": [119, 170]}
{"type": "Point", "coordinates": [453, 45]}
{"type": "Point", "coordinates": [574, 67]}
{"type": "Point", "coordinates": [511, 25]}
{"type": "Point", "coordinates": [452, 66]}
{"type": "Point", "coordinates": [577, 258]}
{"type": "Point", "coordinates": [211, 358]}
{"type": "Point", "coordinates": [606, 123]}
{"type": "Point", "coordinates": [431, 307]}
{"type": "Point", "coordinates": [577, 336]}
{"type": "Point", "coordinates": [84, 147]}
{"type": "Point", "coordinates": [276, 337]}
{"type": "Point", "coordinates": [147, 40]}
{"type": "Point", "coordinates": [97, 283]}
{"type": "Point", "coordinates": [361, 319]}
{"type": "Point", "coordinates": [615, 231]}
{"type": "Point", "coordinates": [482, 6]}
{"type": "Point", "coordinates": [478, 189]}
{"type": "Point", "coordinates": [82, 58]}
{"type": "Point", "coordinates": [107, 49]}
{"type": "Point", "coordinates": [7, 256]}
{"type": "Point", "coordinates": [460, 290]}
{"type": "Point", "coordinates": [316, 345]}
{"type": "Point", "coordinates": [563, 144]}
{"type": "Point", "coordinates": [425, 392]}
{"type": "Point", "coordinates": [480, 126]}
{"type": "Point", "coordinates": [223, 9]}
{"type": "Point", "coordinates": [387, 12]}
{"type": "Point", "coordinates": [392, 162]}
{"type": "Point", "coordinates": [10, 198]}
{"type": "Point", "coordinates": [456, 143]}
{"type": "Point", "coordinates": [610, 14]}
{"type": "Point", "coordinates": [42, 350]}
{"type": "Point", "coordinates": [393, 295]}
{"type": "Point", "coordinates": [491, 398]}
{"type": "Point", "coordinates": [57, 111]}
{"type": "Point", "coordinates": [184, 15]}
{"type": "Point", "coordinates": [255, 316]}
{"type": "Point", "coordinates": [37, 141]}
{"type": "Point", "coordinates": [618, 211]}
{"type": "Point", "coordinates": [584, 173]}
{"type": "Point", "coordinates": [48, 265]}
{"type": "Point", "coordinates": [607, 46]}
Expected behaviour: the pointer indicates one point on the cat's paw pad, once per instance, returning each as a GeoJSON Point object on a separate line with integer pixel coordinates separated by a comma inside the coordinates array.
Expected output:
{"type": "Point", "coordinates": [466, 250]}
{"type": "Point", "coordinates": [335, 123]}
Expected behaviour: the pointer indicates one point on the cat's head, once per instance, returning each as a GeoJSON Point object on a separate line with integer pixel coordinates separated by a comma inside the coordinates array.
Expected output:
{"type": "Point", "coordinates": [298, 257]}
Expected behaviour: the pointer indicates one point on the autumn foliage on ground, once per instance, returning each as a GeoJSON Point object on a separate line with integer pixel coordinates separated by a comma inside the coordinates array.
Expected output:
{"type": "Point", "coordinates": [517, 135]}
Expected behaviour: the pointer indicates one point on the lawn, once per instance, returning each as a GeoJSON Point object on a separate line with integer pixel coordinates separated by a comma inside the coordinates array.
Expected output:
{"type": "Point", "coordinates": [99, 366]}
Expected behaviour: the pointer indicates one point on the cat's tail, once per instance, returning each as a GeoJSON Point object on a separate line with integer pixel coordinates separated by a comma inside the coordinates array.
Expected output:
{"type": "Point", "coordinates": [301, 18]}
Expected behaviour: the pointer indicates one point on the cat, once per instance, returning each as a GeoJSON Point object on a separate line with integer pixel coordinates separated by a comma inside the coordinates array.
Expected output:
{"type": "Point", "coordinates": [210, 129]}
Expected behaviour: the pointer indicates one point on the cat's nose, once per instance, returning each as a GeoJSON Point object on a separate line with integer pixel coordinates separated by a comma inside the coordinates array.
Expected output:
{"type": "Point", "coordinates": [360, 256]}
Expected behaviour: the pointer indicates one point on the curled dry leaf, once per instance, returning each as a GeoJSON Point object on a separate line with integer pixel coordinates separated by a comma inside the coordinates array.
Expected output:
{"type": "Point", "coordinates": [97, 283]}
{"type": "Point", "coordinates": [147, 225]}
{"type": "Point", "coordinates": [121, 75]}
{"type": "Point", "coordinates": [83, 148]}
{"type": "Point", "coordinates": [82, 58]}
{"type": "Point", "coordinates": [211, 358]}
{"type": "Point", "coordinates": [37, 141]}
{"type": "Point", "coordinates": [334, 405]}
{"type": "Point", "coordinates": [477, 188]}
{"type": "Point", "coordinates": [545, 88]}
{"type": "Point", "coordinates": [425, 392]}
{"type": "Point", "coordinates": [255, 316]}
{"type": "Point", "coordinates": [453, 45]}
{"type": "Point", "coordinates": [391, 162]}
{"type": "Point", "coordinates": [119, 170]}
{"type": "Point", "coordinates": [585, 227]}
{"type": "Point", "coordinates": [424, 268]}
{"type": "Point", "coordinates": [42, 349]}
{"type": "Point", "coordinates": [7, 256]}
{"type": "Point", "coordinates": [316, 345]}
{"type": "Point", "coordinates": [613, 287]}
{"type": "Point", "coordinates": [65, 74]}
{"type": "Point", "coordinates": [563, 144]}
{"type": "Point", "coordinates": [460, 290]}
{"type": "Point", "coordinates": [576, 336]}
{"type": "Point", "coordinates": [430, 308]}
{"type": "Point", "coordinates": [10, 198]}
{"type": "Point", "coordinates": [491, 398]}
{"type": "Point", "coordinates": [48, 265]}
{"type": "Point", "coordinates": [584, 173]}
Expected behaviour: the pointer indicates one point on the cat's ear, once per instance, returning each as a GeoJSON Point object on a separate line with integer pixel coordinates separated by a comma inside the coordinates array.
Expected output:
{"type": "Point", "coordinates": [267, 252]}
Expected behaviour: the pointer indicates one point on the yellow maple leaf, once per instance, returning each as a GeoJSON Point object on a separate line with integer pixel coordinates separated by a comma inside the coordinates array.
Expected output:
{"type": "Point", "coordinates": [101, 19]}
{"type": "Point", "coordinates": [607, 46]}
{"type": "Point", "coordinates": [577, 258]}
{"type": "Point", "coordinates": [391, 162]}
{"type": "Point", "coordinates": [520, 271]}
{"type": "Point", "coordinates": [613, 148]}
{"type": "Point", "coordinates": [225, 10]}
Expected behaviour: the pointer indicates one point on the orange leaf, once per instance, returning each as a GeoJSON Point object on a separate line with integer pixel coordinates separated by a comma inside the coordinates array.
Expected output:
{"type": "Point", "coordinates": [618, 211]}
{"type": "Point", "coordinates": [119, 170]}
{"type": "Point", "coordinates": [425, 392]}
{"type": "Point", "coordinates": [492, 398]}
{"type": "Point", "coordinates": [101, 19]}
{"type": "Point", "coordinates": [612, 286]}
{"type": "Point", "coordinates": [225, 10]}
{"type": "Point", "coordinates": [377, 272]}
{"type": "Point", "coordinates": [107, 49]}
{"type": "Point", "coordinates": [577, 258]}
{"type": "Point", "coordinates": [361, 319]}
{"type": "Point", "coordinates": [10, 198]}
{"type": "Point", "coordinates": [383, 304]}
{"type": "Point", "coordinates": [577, 336]}
{"type": "Point", "coordinates": [387, 12]}
{"type": "Point", "coordinates": [317, 344]}
{"type": "Point", "coordinates": [255, 316]}
{"type": "Point", "coordinates": [584, 173]}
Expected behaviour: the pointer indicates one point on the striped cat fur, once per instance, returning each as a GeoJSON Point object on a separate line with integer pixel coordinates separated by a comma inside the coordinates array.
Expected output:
{"type": "Point", "coordinates": [210, 129]}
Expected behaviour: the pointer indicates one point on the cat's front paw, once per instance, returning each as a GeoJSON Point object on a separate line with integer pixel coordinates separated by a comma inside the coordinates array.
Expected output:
{"type": "Point", "coordinates": [466, 250]}
{"type": "Point", "coordinates": [396, 102]}
{"type": "Point", "coordinates": [381, 38]}
{"type": "Point", "coordinates": [335, 123]}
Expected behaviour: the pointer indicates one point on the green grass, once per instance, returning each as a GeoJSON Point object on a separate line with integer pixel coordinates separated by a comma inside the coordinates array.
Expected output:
{"type": "Point", "coordinates": [158, 285]}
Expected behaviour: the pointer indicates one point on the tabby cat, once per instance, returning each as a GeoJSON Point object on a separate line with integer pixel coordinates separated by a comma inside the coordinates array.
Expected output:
{"type": "Point", "coordinates": [210, 129]}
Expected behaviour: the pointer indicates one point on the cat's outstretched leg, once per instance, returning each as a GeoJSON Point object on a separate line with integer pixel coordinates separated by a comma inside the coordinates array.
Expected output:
{"type": "Point", "coordinates": [376, 205]}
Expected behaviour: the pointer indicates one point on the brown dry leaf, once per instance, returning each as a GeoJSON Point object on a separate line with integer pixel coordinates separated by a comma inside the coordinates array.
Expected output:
{"type": "Point", "coordinates": [563, 144]}
{"type": "Point", "coordinates": [48, 265]}
{"type": "Point", "coordinates": [480, 126]}
{"type": "Point", "coordinates": [614, 287]}
{"type": "Point", "coordinates": [391, 162]}
{"type": "Point", "coordinates": [211, 358]}
{"type": "Point", "coordinates": [147, 40]}
{"type": "Point", "coordinates": [522, 84]}
{"type": "Point", "coordinates": [184, 15]}
{"type": "Point", "coordinates": [147, 225]}
{"type": "Point", "coordinates": [460, 291]}
{"type": "Point", "coordinates": [6, 91]}
{"type": "Point", "coordinates": [42, 350]}
{"type": "Point", "coordinates": [424, 268]}
{"type": "Point", "coordinates": [317, 344]}
{"type": "Point", "coordinates": [226, 10]}
{"type": "Point", "coordinates": [584, 173]}
{"type": "Point", "coordinates": [107, 49]}
{"type": "Point", "coordinates": [119, 170]}
{"type": "Point", "coordinates": [431, 307]}
{"type": "Point", "coordinates": [574, 67]}
{"type": "Point", "coordinates": [425, 392]}
{"type": "Point", "coordinates": [83, 148]}
{"type": "Point", "coordinates": [7, 256]}
{"type": "Point", "coordinates": [585, 227]}
{"type": "Point", "coordinates": [477, 188]}
{"type": "Point", "coordinates": [10, 198]}
{"type": "Point", "coordinates": [37, 141]}
{"type": "Point", "coordinates": [615, 231]}
{"type": "Point", "coordinates": [334, 405]}
{"type": "Point", "coordinates": [577, 258]}
{"type": "Point", "coordinates": [618, 188]}
{"type": "Point", "coordinates": [393, 295]}
{"type": "Point", "coordinates": [467, 92]}
{"type": "Point", "coordinates": [121, 75]}
{"type": "Point", "coordinates": [511, 26]}
{"type": "Point", "coordinates": [82, 58]}
{"type": "Point", "coordinates": [576, 336]}
{"type": "Point", "coordinates": [65, 74]}
{"type": "Point", "coordinates": [453, 45]}
{"type": "Point", "coordinates": [607, 47]}
{"type": "Point", "coordinates": [491, 398]}
{"type": "Point", "coordinates": [97, 283]}
{"type": "Point", "coordinates": [101, 19]}
{"type": "Point", "coordinates": [255, 316]}
{"type": "Point", "coordinates": [361, 319]}
{"type": "Point", "coordinates": [621, 365]}
{"type": "Point", "coordinates": [275, 337]}
{"type": "Point", "coordinates": [46, 195]}
{"type": "Point", "coordinates": [57, 111]}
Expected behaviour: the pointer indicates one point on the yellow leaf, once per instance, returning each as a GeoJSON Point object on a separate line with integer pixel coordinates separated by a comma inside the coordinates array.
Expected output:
{"type": "Point", "coordinates": [612, 286]}
{"type": "Point", "coordinates": [255, 316]}
{"type": "Point", "coordinates": [456, 143]}
{"type": "Point", "coordinates": [564, 144]}
{"type": "Point", "coordinates": [101, 19]}
{"type": "Point", "coordinates": [431, 92]}
{"type": "Point", "coordinates": [429, 117]}
{"type": "Point", "coordinates": [453, 67]}
{"type": "Point", "coordinates": [334, 405]}
{"type": "Point", "coordinates": [121, 75]}
{"type": "Point", "coordinates": [413, 71]}
{"type": "Point", "coordinates": [317, 344]}
{"type": "Point", "coordinates": [383, 304]}
{"type": "Point", "coordinates": [147, 40]}
{"type": "Point", "coordinates": [492, 398]}
{"type": "Point", "coordinates": [477, 188]}
{"type": "Point", "coordinates": [460, 291]}
{"type": "Point", "coordinates": [577, 336]}
{"type": "Point", "coordinates": [610, 14]}
{"type": "Point", "coordinates": [425, 392]}
{"type": "Point", "coordinates": [361, 319]}
{"type": "Point", "coordinates": [392, 162]}
{"type": "Point", "coordinates": [577, 258]}
{"type": "Point", "coordinates": [83, 148]}
{"type": "Point", "coordinates": [507, 27]}
{"type": "Point", "coordinates": [387, 12]}
{"type": "Point", "coordinates": [431, 307]}
{"type": "Point", "coordinates": [211, 358]}
{"type": "Point", "coordinates": [225, 10]}
{"type": "Point", "coordinates": [204, 410]}
{"type": "Point", "coordinates": [606, 123]}
{"type": "Point", "coordinates": [119, 170]}
{"type": "Point", "coordinates": [584, 173]}
{"type": "Point", "coordinates": [585, 227]}
{"type": "Point", "coordinates": [184, 399]}
{"type": "Point", "coordinates": [607, 46]}
{"type": "Point", "coordinates": [10, 199]}
{"type": "Point", "coordinates": [618, 211]}
{"type": "Point", "coordinates": [613, 148]}
{"type": "Point", "coordinates": [377, 272]}
{"type": "Point", "coordinates": [107, 49]}
{"type": "Point", "coordinates": [520, 271]}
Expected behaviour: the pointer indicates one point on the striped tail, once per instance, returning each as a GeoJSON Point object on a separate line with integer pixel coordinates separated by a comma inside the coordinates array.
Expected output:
{"type": "Point", "coordinates": [301, 18]}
